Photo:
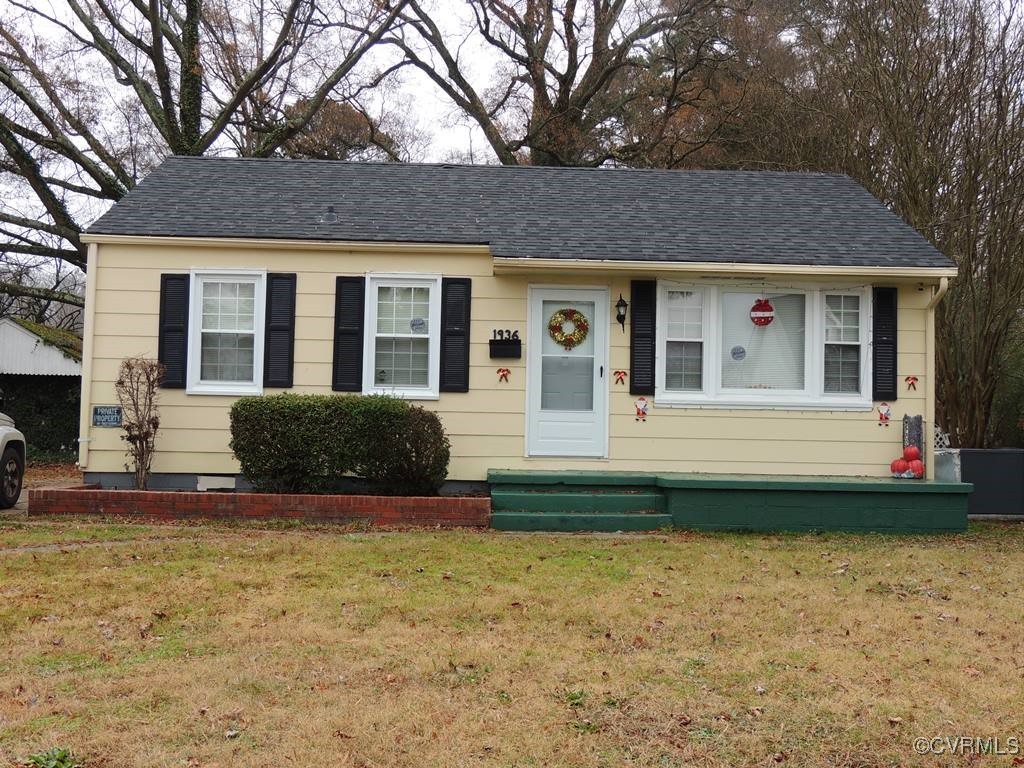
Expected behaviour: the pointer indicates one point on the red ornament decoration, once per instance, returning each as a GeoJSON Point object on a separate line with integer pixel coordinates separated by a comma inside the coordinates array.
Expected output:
{"type": "Point", "coordinates": [911, 383]}
{"type": "Point", "coordinates": [620, 377]}
{"type": "Point", "coordinates": [899, 466]}
{"type": "Point", "coordinates": [917, 468]}
{"type": "Point", "coordinates": [503, 374]}
{"type": "Point", "coordinates": [911, 453]}
{"type": "Point", "coordinates": [762, 313]}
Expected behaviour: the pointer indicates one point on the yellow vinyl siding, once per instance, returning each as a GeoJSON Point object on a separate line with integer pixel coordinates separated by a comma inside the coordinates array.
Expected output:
{"type": "Point", "coordinates": [487, 424]}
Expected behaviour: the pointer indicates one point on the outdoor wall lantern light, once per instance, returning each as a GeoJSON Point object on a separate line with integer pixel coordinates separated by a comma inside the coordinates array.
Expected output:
{"type": "Point", "coordinates": [620, 312]}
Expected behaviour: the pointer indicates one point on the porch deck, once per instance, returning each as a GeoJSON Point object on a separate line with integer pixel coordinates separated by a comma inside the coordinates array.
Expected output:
{"type": "Point", "coordinates": [633, 501]}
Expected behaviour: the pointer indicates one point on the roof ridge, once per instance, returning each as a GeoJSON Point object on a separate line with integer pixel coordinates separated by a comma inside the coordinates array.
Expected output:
{"type": "Point", "coordinates": [498, 166]}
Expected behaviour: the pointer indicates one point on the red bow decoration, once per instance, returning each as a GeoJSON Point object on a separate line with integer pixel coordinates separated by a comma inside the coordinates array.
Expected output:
{"type": "Point", "coordinates": [912, 382]}
{"type": "Point", "coordinates": [620, 376]}
{"type": "Point", "coordinates": [503, 374]}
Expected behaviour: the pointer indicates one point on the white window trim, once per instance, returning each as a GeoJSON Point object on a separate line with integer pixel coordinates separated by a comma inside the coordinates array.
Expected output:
{"type": "Point", "coordinates": [402, 280]}
{"type": "Point", "coordinates": [812, 397]}
{"type": "Point", "coordinates": [193, 384]}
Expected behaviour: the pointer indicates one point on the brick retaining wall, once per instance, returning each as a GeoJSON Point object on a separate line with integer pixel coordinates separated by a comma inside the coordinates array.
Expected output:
{"type": "Point", "coordinates": [446, 511]}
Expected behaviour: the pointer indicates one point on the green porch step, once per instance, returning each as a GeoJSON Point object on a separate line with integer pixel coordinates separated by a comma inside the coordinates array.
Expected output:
{"type": "Point", "coordinates": [601, 522]}
{"type": "Point", "coordinates": [552, 500]}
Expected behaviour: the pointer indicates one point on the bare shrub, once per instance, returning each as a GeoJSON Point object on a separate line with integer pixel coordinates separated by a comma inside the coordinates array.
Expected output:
{"type": "Point", "coordinates": [138, 389]}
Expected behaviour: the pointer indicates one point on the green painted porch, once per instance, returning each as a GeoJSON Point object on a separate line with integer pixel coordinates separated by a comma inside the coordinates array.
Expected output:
{"type": "Point", "coordinates": [642, 501]}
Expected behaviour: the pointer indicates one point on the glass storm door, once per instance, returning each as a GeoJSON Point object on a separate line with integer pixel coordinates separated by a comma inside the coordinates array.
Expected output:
{"type": "Point", "coordinates": [566, 390]}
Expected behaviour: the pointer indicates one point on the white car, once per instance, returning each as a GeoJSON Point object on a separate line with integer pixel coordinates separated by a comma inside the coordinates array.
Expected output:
{"type": "Point", "coordinates": [12, 462]}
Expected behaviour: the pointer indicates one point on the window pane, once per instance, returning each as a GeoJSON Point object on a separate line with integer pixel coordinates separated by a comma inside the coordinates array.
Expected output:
{"type": "Point", "coordinates": [763, 357]}
{"type": "Point", "coordinates": [226, 357]}
{"type": "Point", "coordinates": [403, 309]}
{"type": "Point", "coordinates": [567, 383]}
{"type": "Point", "coordinates": [842, 318]}
{"type": "Point", "coordinates": [842, 368]}
{"type": "Point", "coordinates": [683, 366]}
{"type": "Point", "coordinates": [402, 362]}
{"type": "Point", "coordinates": [228, 306]}
{"type": "Point", "coordinates": [685, 315]}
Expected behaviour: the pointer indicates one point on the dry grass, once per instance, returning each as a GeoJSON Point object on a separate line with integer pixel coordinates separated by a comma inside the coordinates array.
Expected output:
{"type": "Point", "coordinates": [225, 647]}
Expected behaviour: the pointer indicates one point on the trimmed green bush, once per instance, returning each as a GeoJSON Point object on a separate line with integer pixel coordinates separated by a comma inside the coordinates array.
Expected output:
{"type": "Point", "coordinates": [292, 443]}
{"type": "Point", "coordinates": [281, 442]}
{"type": "Point", "coordinates": [408, 454]}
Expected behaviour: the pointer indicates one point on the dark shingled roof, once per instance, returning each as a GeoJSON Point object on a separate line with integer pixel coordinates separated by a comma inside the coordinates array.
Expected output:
{"type": "Point", "coordinates": [751, 217]}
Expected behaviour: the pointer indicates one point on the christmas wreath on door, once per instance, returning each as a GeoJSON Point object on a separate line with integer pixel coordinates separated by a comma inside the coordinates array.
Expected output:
{"type": "Point", "coordinates": [568, 338]}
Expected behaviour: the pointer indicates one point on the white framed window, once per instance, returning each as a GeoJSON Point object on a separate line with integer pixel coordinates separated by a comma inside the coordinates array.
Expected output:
{"type": "Point", "coordinates": [843, 348]}
{"type": "Point", "coordinates": [811, 354]}
{"type": "Point", "coordinates": [684, 340]}
{"type": "Point", "coordinates": [401, 349]}
{"type": "Point", "coordinates": [225, 351]}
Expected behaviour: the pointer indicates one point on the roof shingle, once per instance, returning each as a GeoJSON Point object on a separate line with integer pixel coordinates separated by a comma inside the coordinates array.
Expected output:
{"type": "Point", "coordinates": [752, 217]}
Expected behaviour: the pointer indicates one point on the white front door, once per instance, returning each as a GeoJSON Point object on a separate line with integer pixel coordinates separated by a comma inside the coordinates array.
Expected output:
{"type": "Point", "coordinates": [566, 391]}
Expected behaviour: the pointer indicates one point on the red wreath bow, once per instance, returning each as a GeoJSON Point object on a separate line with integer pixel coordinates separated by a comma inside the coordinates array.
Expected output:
{"type": "Point", "coordinates": [503, 374]}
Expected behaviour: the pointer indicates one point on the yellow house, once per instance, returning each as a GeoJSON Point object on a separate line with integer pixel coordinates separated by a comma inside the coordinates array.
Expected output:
{"type": "Point", "coordinates": [588, 321]}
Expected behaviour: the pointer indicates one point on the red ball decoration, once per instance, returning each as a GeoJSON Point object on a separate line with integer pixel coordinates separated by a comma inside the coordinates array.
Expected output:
{"type": "Point", "coordinates": [917, 467]}
{"type": "Point", "coordinates": [911, 453]}
{"type": "Point", "coordinates": [899, 466]}
{"type": "Point", "coordinates": [762, 313]}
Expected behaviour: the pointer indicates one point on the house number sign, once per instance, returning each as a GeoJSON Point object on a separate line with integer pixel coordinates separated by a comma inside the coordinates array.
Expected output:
{"type": "Point", "coordinates": [504, 334]}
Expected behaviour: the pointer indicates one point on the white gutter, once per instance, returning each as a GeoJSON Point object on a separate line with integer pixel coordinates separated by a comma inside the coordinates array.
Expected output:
{"type": "Point", "coordinates": [256, 243]}
{"type": "Point", "coordinates": [504, 265]}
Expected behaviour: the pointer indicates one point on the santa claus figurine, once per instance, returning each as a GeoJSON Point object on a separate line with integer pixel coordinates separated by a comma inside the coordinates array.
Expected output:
{"type": "Point", "coordinates": [641, 408]}
{"type": "Point", "coordinates": [884, 414]}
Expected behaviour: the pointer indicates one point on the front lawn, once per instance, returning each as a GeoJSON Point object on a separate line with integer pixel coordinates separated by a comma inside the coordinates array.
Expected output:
{"type": "Point", "coordinates": [226, 646]}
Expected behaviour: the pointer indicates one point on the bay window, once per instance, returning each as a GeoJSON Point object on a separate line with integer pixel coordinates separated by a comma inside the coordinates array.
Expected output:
{"type": "Point", "coordinates": [738, 346]}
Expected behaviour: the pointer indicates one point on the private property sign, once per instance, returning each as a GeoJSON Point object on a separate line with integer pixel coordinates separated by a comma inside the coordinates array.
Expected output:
{"type": "Point", "coordinates": [106, 415]}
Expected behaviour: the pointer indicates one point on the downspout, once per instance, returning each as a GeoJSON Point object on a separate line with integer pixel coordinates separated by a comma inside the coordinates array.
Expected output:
{"type": "Point", "coordinates": [929, 406]}
{"type": "Point", "coordinates": [937, 296]}
{"type": "Point", "coordinates": [88, 331]}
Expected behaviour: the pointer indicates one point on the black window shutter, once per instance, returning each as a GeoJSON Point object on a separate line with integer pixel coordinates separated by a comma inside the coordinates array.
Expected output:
{"type": "Point", "coordinates": [349, 299]}
{"type": "Point", "coordinates": [883, 366]}
{"type": "Point", "coordinates": [279, 347]}
{"type": "Point", "coordinates": [455, 317]}
{"type": "Point", "coordinates": [642, 338]}
{"type": "Point", "coordinates": [172, 346]}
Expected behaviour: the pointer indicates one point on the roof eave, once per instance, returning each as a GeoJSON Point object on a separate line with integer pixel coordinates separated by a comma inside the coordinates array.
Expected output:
{"type": "Point", "coordinates": [257, 243]}
{"type": "Point", "coordinates": [506, 265]}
